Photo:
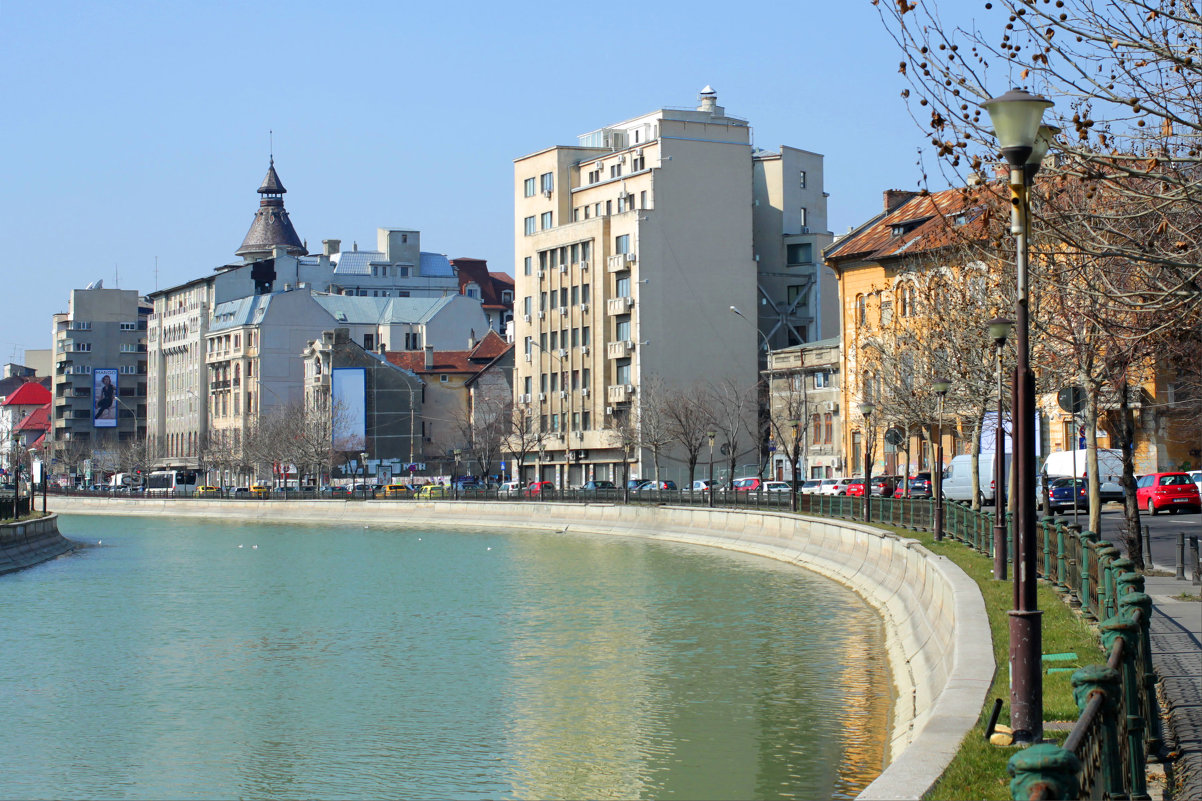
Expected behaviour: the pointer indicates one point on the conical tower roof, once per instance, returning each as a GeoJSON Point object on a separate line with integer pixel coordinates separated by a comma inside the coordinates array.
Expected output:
{"type": "Point", "coordinates": [271, 226]}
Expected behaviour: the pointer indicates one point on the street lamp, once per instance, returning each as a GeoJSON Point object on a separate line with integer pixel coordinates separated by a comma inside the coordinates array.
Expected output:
{"type": "Point", "coordinates": [940, 386]}
{"type": "Point", "coordinates": [1016, 118]}
{"type": "Point", "coordinates": [999, 329]}
{"type": "Point", "coordinates": [866, 409]}
{"type": "Point", "coordinates": [795, 458]}
{"type": "Point", "coordinates": [457, 453]}
{"type": "Point", "coordinates": [363, 463]}
{"type": "Point", "coordinates": [711, 434]}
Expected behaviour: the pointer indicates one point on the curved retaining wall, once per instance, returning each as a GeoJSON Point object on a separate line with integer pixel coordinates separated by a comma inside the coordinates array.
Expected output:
{"type": "Point", "coordinates": [31, 542]}
{"type": "Point", "coordinates": [936, 630]}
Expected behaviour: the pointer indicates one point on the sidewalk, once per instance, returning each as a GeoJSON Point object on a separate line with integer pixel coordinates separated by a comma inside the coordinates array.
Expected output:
{"type": "Point", "coordinates": [1176, 635]}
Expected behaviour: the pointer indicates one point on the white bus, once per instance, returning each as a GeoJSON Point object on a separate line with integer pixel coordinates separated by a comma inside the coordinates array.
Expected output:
{"type": "Point", "coordinates": [171, 482]}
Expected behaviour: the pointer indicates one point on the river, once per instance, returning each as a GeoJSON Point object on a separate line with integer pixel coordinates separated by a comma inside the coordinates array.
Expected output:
{"type": "Point", "coordinates": [185, 659]}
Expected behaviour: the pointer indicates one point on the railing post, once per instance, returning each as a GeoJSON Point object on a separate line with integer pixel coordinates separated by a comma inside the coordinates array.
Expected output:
{"type": "Point", "coordinates": [1180, 556]}
{"type": "Point", "coordinates": [1099, 678]}
{"type": "Point", "coordinates": [1129, 602]}
{"type": "Point", "coordinates": [1061, 563]}
{"type": "Point", "coordinates": [1044, 771]}
{"type": "Point", "coordinates": [1112, 629]}
{"type": "Point", "coordinates": [1085, 592]}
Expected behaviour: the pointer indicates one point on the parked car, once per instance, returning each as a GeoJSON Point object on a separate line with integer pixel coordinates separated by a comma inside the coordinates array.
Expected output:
{"type": "Point", "coordinates": [635, 483]}
{"type": "Point", "coordinates": [656, 485]}
{"type": "Point", "coordinates": [433, 492]}
{"type": "Point", "coordinates": [1172, 491]}
{"type": "Point", "coordinates": [777, 486]}
{"type": "Point", "coordinates": [260, 491]}
{"type": "Point", "coordinates": [811, 487]}
{"type": "Point", "coordinates": [748, 484]}
{"type": "Point", "coordinates": [1061, 492]}
{"type": "Point", "coordinates": [594, 486]}
{"type": "Point", "coordinates": [829, 486]}
{"type": "Point", "coordinates": [883, 486]}
{"type": "Point", "coordinates": [510, 489]}
{"type": "Point", "coordinates": [854, 487]}
{"type": "Point", "coordinates": [920, 486]}
{"type": "Point", "coordinates": [705, 485]}
{"type": "Point", "coordinates": [1196, 475]}
{"type": "Point", "coordinates": [398, 491]}
{"type": "Point", "coordinates": [362, 490]}
{"type": "Point", "coordinates": [541, 489]}
{"type": "Point", "coordinates": [207, 491]}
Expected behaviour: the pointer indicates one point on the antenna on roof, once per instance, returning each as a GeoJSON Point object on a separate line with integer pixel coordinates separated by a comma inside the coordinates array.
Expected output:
{"type": "Point", "coordinates": [271, 146]}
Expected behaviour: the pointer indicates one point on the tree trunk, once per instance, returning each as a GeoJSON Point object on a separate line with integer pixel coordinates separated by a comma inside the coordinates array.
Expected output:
{"type": "Point", "coordinates": [976, 460]}
{"type": "Point", "coordinates": [1126, 427]}
{"type": "Point", "coordinates": [1094, 482]}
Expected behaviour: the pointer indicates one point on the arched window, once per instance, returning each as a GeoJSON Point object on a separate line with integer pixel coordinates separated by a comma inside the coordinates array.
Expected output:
{"type": "Point", "coordinates": [816, 427]}
{"type": "Point", "coordinates": [861, 311]}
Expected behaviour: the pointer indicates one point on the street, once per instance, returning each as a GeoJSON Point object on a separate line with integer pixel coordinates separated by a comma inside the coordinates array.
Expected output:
{"type": "Point", "coordinates": [1162, 530]}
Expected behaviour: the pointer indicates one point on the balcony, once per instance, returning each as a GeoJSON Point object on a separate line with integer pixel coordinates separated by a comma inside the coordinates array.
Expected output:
{"type": "Point", "coordinates": [620, 262]}
{"type": "Point", "coordinates": [619, 349]}
{"type": "Point", "coordinates": [616, 306]}
{"type": "Point", "coordinates": [619, 393]}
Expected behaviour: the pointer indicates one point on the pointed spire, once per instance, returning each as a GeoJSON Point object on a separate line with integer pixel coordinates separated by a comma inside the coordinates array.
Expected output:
{"type": "Point", "coordinates": [272, 185]}
{"type": "Point", "coordinates": [271, 227]}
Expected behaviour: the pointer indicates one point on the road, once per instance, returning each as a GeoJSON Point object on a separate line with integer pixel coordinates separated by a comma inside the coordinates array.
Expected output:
{"type": "Point", "coordinates": [1162, 529]}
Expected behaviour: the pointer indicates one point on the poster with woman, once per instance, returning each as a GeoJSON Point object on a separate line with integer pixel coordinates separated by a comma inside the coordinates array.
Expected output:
{"type": "Point", "coordinates": [104, 391]}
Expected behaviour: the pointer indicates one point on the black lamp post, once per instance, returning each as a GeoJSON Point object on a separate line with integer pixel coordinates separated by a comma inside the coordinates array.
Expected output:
{"type": "Point", "coordinates": [999, 329]}
{"type": "Point", "coordinates": [794, 467]}
{"type": "Point", "coordinates": [1016, 118]}
{"type": "Point", "coordinates": [457, 453]}
{"type": "Point", "coordinates": [711, 434]}
{"type": "Point", "coordinates": [866, 409]}
{"type": "Point", "coordinates": [940, 386]}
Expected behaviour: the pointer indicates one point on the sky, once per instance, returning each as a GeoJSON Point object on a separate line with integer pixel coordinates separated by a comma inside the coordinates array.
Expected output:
{"type": "Point", "coordinates": [137, 132]}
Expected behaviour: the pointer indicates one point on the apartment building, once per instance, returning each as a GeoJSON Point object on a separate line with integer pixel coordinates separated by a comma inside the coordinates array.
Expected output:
{"type": "Point", "coordinates": [100, 368]}
{"type": "Point", "coordinates": [631, 247]}
{"type": "Point", "coordinates": [804, 397]}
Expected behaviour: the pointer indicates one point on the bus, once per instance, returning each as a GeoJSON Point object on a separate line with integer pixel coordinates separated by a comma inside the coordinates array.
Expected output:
{"type": "Point", "coordinates": [171, 482]}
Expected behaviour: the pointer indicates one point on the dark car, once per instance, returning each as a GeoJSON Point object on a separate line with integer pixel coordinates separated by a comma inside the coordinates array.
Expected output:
{"type": "Point", "coordinates": [920, 486]}
{"type": "Point", "coordinates": [594, 486]}
{"type": "Point", "coordinates": [1063, 493]}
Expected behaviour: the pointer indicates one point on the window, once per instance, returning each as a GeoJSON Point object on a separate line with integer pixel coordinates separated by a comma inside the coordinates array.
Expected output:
{"type": "Point", "coordinates": [798, 296]}
{"type": "Point", "coordinates": [507, 296]}
{"type": "Point", "coordinates": [528, 185]}
{"type": "Point", "coordinates": [554, 382]}
{"type": "Point", "coordinates": [638, 163]}
{"type": "Point", "coordinates": [643, 199]}
{"type": "Point", "coordinates": [554, 340]}
{"type": "Point", "coordinates": [584, 377]}
{"type": "Point", "coordinates": [83, 347]}
{"type": "Point", "coordinates": [584, 250]}
{"type": "Point", "coordinates": [622, 372]}
{"type": "Point", "coordinates": [799, 253]}
{"type": "Point", "coordinates": [615, 171]}
{"type": "Point", "coordinates": [542, 382]}
{"type": "Point", "coordinates": [548, 182]}
{"type": "Point", "coordinates": [575, 295]}
{"type": "Point", "coordinates": [622, 287]}
{"type": "Point", "coordinates": [621, 203]}
{"type": "Point", "coordinates": [801, 179]}
{"type": "Point", "coordinates": [816, 429]}
{"type": "Point", "coordinates": [575, 337]}
{"type": "Point", "coordinates": [529, 226]}
{"type": "Point", "coordinates": [801, 213]}
{"type": "Point", "coordinates": [527, 265]}
{"type": "Point", "coordinates": [861, 311]}
{"type": "Point", "coordinates": [622, 244]}
{"type": "Point", "coordinates": [584, 293]}
{"type": "Point", "coordinates": [527, 305]}
{"type": "Point", "coordinates": [369, 341]}
{"type": "Point", "coordinates": [546, 220]}
{"type": "Point", "coordinates": [528, 381]}
{"type": "Point", "coordinates": [886, 312]}
{"type": "Point", "coordinates": [585, 336]}
{"type": "Point", "coordinates": [129, 348]}
{"type": "Point", "coordinates": [821, 379]}
{"type": "Point", "coordinates": [828, 428]}
{"type": "Point", "coordinates": [623, 329]}
{"type": "Point", "coordinates": [542, 301]}
{"type": "Point", "coordinates": [444, 379]}
{"type": "Point", "coordinates": [529, 347]}
{"type": "Point", "coordinates": [594, 176]}
{"type": "Point", "coordinates": [129, 326]}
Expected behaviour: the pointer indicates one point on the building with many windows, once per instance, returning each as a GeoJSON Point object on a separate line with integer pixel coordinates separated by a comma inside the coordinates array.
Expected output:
{"type": "Point", "coordinates": [631, 248]}
{"type": "Point", "coordinates": [803, 399]}
{"type": "Point", "coordinates": [100, 372]}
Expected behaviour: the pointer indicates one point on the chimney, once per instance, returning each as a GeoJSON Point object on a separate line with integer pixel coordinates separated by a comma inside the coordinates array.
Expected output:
{"type": "Point", "coordinates": [895, 198]}
{"type": "Point", "coordinates": [709, 99]}
{"type": "Point", "coordinates": [330, 246]}
{"type": "Point", "coordinates": [429, 357]}
{"type": "Point", "coordinates": [471, 339]}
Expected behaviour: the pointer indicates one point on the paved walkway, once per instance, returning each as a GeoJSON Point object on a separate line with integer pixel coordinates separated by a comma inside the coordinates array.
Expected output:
{"type": "Point", "coordinates": [1176, 636]}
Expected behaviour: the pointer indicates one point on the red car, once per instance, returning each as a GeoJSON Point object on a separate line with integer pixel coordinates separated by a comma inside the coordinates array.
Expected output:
{"type": "Point", "coordinates": [748, 485]}
{"type": "Point", "coordinates": [541, 488]}
{"type": "Point", "coordinates": [856, 488]}
{"type": "Point", "coordinates": [1171, 491]}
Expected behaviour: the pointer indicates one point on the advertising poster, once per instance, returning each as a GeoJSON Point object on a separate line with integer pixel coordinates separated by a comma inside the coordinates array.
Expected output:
{"type": "Point", "coordinates": [349, 404]}
{"type": "Point", "coordinates": [104, 394]}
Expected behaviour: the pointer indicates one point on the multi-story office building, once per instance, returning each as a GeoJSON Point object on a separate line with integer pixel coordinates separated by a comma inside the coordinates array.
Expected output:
{"type": "Point", "coordinates": [803, 399]}
{"type": "Point", "coordinates": [632, 247]}
{"type": "Point", "coordinates": [100, 368]}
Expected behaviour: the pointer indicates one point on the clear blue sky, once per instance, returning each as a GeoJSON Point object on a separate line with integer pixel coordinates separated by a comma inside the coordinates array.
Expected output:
{"type": "Point", "coordinates": [139, 129]}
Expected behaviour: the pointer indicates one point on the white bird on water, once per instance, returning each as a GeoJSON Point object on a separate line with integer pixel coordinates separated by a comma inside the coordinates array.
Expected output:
{"type": "Point", "coordinates": [254, 547]}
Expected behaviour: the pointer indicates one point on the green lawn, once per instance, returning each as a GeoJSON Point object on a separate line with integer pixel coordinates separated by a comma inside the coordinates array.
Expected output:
{"type": "Point", "coordinates": [978, 771]}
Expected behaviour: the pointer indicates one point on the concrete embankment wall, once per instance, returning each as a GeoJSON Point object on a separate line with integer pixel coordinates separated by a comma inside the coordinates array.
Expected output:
{"type": "Point", "coordinates": [937, 633]}
{"type": "Point", "coordinates": [31, 542]}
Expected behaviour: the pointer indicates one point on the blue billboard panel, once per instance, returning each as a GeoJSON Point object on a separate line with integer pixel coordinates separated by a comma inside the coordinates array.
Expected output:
{"type": "Point", "coordinates": [104, 397]}
{"type": "Point", "coordinates": [348, 390]}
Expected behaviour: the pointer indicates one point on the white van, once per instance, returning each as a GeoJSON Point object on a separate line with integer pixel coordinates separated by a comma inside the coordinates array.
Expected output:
{"type": "Point", "coordinates": [1059, 464]}
{"type": "Point", "coordinates": [957, 477]}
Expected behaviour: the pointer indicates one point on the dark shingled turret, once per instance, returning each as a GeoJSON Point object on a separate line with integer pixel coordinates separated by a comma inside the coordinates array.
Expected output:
{"type": "Point", "coordinates": [271, 226]}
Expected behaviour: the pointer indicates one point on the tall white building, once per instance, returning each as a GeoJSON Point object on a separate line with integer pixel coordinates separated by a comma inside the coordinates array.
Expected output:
{"type": "Point", "coordinates": [631, 248]}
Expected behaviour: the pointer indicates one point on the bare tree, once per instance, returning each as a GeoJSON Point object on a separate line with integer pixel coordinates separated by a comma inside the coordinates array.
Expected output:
{"type": "Point", "coordinates": [486, 428]}
{"type": "Point", "coordinates": [689, 421]}
{"type": "Point", "coordinates": [523, 437]}
{"type": "Point", "coordinates": [732, 406]}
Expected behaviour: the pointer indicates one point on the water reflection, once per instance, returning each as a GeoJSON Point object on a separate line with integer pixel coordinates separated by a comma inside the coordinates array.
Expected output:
{"type": "Point", "coordinates": [352, 663]}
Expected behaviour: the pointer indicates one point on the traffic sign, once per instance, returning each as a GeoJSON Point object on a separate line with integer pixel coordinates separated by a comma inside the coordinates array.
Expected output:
{"type": "Point", "coordinates": [1071, 399]}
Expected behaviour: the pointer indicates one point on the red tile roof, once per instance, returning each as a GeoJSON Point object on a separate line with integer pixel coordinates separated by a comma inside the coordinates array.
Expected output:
{"type": "Point", "coordinates": [923, 223]}
{"type": "Point", "coordinates": [31, 393]}
{"type": "Point", "coordinates": [37, 420]}
{"type": "Point", "coordinates": [491, 284]}
{"type": "Point", "coordinates": [469, 362]}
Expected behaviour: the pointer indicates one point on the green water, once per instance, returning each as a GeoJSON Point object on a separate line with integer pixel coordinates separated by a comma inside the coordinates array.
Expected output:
{"type": "Point", "coordinates": [185, 659]}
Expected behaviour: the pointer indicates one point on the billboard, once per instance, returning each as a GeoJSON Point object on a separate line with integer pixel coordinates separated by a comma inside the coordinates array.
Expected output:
{"type": "Point", "coordinates": [104, 398]}
{"type": "Point", "coordinates": [348, 404]}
